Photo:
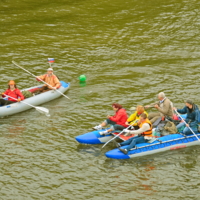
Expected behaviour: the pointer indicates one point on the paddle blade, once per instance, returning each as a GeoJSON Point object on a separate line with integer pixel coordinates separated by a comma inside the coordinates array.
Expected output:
{"type": "Point", "coordinates": [43, 110]}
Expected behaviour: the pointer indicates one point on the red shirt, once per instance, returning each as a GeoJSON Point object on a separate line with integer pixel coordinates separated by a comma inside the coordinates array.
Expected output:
{"type": "Point", "coordinates": [15, 94]}
{"type": "Point", "coordinates": [120, 117]}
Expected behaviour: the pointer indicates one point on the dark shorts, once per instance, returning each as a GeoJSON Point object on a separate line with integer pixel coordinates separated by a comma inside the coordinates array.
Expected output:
{"type": "Point", "coordinates": [115, 126]}
{"type": "Point", "coordinates": [110, 122]}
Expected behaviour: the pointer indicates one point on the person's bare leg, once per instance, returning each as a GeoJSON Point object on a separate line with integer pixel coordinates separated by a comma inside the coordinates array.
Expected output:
{"type": "Point", "coordinates": [103, 124]}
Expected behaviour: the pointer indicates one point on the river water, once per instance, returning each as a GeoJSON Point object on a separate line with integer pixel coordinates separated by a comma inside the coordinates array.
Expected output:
{"type": "Point", "coordinates": [130, 51]}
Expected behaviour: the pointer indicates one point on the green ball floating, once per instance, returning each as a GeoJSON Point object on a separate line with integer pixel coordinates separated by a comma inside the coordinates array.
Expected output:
{"type": "Point", "coordinates": [82, 78]}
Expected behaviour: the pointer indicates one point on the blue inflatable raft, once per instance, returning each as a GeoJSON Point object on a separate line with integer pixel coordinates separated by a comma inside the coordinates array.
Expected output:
{"type": "Point", "coordinates": [164, 143]}
{"type": "Point", "coordinates": [94, 137]}
{"type": "Point", "coordinates": [169, 142]}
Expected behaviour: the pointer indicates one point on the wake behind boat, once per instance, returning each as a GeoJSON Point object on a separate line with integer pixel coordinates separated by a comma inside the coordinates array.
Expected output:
{"type": "Point", "coordinates": [34, 100]}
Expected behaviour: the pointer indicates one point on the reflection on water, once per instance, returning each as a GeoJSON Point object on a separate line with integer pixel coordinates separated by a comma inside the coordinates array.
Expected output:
{"type": "Point", "coordinates": [88, 149]}
{"type": "Point", "coordinates": [14, 129]}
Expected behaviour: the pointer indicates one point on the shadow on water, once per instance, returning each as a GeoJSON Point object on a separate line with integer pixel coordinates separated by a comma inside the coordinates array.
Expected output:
{"type": "Point", "coordinates": [91, 149]}
{"type": "Point", "coordinates": [134, 162]}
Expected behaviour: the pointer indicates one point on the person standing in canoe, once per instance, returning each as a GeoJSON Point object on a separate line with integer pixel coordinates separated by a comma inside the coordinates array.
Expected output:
{"type": "Point", "coordinates": [144, 134]}
{"type": "Point", "coordinates": [12, 91]}
{"type": "Point", "coordinates": [117, 121]}
{"type": "Point", "coordinates": [50, 79]}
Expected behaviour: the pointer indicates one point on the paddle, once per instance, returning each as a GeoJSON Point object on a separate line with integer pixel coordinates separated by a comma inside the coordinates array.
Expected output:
{"type": "Point", "coordinates": [39, 109]}
{"type": "Point", "coordinates": [115, 136]}
{"type": "Point", "coordinates": [186, 124]}
{"type": "Point", "coordinates": [39, 79]}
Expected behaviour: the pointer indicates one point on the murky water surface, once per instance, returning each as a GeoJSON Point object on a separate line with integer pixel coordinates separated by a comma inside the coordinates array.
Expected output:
{"type": "Point", "coordinates": [130, 51]}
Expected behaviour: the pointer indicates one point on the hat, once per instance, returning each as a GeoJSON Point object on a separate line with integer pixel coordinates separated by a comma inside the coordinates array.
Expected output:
{"type": "Point", "coordinates": [189, 101]}
{"type": "Point", "coordinates": [50, 69]}
{"type": "Point", "coordinates": [11, 82]}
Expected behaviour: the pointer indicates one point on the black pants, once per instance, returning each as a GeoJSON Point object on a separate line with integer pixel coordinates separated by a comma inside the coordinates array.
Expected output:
{"type": "Point", "coordinates": [4, 102]}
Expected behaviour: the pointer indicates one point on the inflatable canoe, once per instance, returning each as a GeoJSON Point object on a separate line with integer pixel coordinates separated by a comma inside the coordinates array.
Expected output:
{"type": "Point", "coordinates": [34, 100]}
{"type": "Point", "coordinates": [164, 143]}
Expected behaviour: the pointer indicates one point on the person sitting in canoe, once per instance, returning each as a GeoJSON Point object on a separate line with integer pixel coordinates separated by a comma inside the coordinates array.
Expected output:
{"type": "Point", "coordinates": [12, 91]}
{"type": "Point", "coordinates": [117, 121]}
{"type": "Point", "coordinates": [144, 134]}
{"type": "Point", "coordinates": [50, 79]}
{"type": "Point", "coordinates": [164, 107]}
{"type": "Point", "coordinates": [192, 117]}
{"type": "Point", "coordinates": [134, 118]}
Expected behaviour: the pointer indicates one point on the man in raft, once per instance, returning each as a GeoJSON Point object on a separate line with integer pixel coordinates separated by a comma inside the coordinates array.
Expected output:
{"type": "Point", "coordinates": [12, 91]}
{"type": "Point", "coordinates": [49, 78]}
{"type": "Point", "coordinates": [143, 134]}
{"type": "Point", "coordinates": [164, 107]}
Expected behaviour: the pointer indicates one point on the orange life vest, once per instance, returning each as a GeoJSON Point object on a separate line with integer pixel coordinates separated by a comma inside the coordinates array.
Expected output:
{"type": "Point", "coordinates": [148, 132]}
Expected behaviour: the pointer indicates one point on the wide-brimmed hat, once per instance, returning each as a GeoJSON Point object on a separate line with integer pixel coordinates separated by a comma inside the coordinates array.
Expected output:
{"type": "Point", "coordinates": [50, 69]}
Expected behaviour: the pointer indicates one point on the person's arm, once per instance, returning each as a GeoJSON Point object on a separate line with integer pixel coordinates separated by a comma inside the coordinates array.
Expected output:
{"type": "Point", "coordinates": [40, 77]}
{"type": "Point", "coordinates": [4, 93]}
{"type": "Point", "coordinates": [132, 117]}
{"type": "Point", "coordinates": [117, 117]}
{"type": "Point", "coordinates": [165, 109]}
{"type": "Point", "coordinates": [182, 111]}
{"type": "Point", "coordinates": [19, 94]}
{"type": "Point", "coordinates": [145, 127]}
{"type": "Point", "coordinates": [151, 105]}
{"type": "Point", "coordinates": [57, 82]}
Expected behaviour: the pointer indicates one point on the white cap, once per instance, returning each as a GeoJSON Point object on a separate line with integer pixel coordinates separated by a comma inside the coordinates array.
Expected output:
{"type": "Point", "coordinates": [50, 69]}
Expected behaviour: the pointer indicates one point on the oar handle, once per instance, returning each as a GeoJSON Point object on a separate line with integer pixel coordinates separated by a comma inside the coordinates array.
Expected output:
{"type": "Point", "coordinates": [186, 124]}
{"type": "Point", "coordinates": [39, 79]}
{"type": "Point", "coordinates": [20, 101]}
{"type": "Point", "coordinates": [115, 136]}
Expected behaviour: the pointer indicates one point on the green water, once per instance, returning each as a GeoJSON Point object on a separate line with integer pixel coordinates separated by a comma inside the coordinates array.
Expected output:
{"type": "Point", "coordinates": [130, 51]}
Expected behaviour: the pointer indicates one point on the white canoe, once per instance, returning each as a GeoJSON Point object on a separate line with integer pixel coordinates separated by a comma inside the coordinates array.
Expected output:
{"type": "Point", "coordinates": [35, 100]}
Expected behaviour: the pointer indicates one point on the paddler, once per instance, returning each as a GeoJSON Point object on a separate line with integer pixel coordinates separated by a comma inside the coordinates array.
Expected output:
{"type": "Point", "coordinates": [143, 134]}
{"type": "Point", "coordinates": [50, 79]}
{"type": "Point", "coordinates": [12, 91]}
